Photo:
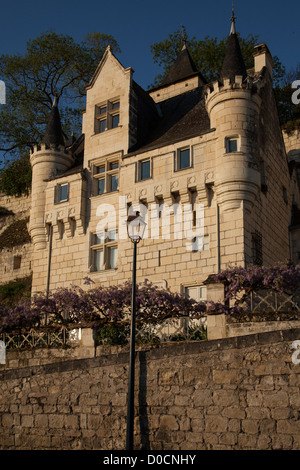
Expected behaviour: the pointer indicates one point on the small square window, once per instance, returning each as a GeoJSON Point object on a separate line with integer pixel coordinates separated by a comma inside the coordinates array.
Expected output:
{"type": "Point", "coordinates": [101, 186]}
{"type": "Point", "coordinates": [61, 193]}
{"type": "Point", "coordinates": [107, 116]}
{"type": "Point", "coordinates": [231, 145]}
{"type": "Point", "coordinates": [145, 170]}
{"type": "Point", "coordinates": [104, 250]}
{"type": "Point", "coordinates": [183, 159]}
{"type": "Point", "coordinates": [114, 165]}
{"type": "Point", "coordinates": [197, 293]}
{"type": "Point", "coordinates": [98, 260]}
{"type": "Point", "coordinates": [115, 105]}
{"type": "Point", "coordinates": [106, 177]}
{"type": "Point", "coordinates": [112, 257]}
{"type": "Point", "coordinates": [17, 262]}
{"type": "Point", "coordinates": [114, 182]}
{"type": "Point", "coordinates": [100, 169]}
{"type": "Point", "coordinates": [102, 125]}
{"type": "Point", "coordinates": [115, 121]}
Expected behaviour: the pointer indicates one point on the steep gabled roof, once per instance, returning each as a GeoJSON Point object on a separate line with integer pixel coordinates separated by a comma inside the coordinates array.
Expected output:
{"type": "Point", "coordinates": [182, 69]}
{"type": "Point", "coordinates": [107, 54]}
{"type": "Point", "coordinates": [54, 134]}
{"type": "Point", "coordinates": [233, 62]}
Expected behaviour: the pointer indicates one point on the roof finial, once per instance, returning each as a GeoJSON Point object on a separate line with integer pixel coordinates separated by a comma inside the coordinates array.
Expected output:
{"type": "Point", "coordinates": [232, 19]}
{"type": "Point", "coordinates": [183, 35]}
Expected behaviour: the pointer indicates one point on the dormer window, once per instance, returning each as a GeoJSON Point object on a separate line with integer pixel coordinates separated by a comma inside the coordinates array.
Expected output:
{"type": "Point", "coordinates": [107, 116]}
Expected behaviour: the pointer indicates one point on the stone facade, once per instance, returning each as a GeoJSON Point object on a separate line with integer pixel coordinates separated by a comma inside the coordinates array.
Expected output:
{"type": "Point", "coordinates": [210, 156]}
{"type": "Point", "coordinates": [237, 393]}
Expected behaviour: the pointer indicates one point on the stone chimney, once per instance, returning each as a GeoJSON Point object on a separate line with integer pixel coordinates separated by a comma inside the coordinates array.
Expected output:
{"type": "Point", "coordinates": [263, 58]}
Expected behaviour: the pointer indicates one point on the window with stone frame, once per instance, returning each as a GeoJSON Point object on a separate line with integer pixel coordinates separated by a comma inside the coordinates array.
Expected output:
{"type": "Point", "coordinates": [107, 115]}
{"type": "Point", "coordinates": [104, 250]}
{"type": "Point", "coordinates": [61, 193]}
{"type": "Point", "coordinates": [144, 169]}
{"type": "Point", "coordinates": [232, 144]}
{"type": "Point", "coordinates": [183, 159]}
{"type": "Point", "coordinates": [17, 262]}
{"type": "Point", "coordinates": [106, 176]}
{"type": "Point", "coordinates": [197, 293]}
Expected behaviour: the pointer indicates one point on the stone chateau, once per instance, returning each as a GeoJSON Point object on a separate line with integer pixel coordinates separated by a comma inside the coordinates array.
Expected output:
{"type": "Point", "coordinates": [206, 165]}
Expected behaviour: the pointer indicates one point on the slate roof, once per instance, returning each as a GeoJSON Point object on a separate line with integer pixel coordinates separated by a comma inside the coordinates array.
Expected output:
{"type": "Point", "coordinates": [54, 134]}
{"type": "Point", "coordinates": [233, 62]}
{"type": "Point", "coordinates": [181, 117]}
{"type": "Point", "coordinates": [182, 69]}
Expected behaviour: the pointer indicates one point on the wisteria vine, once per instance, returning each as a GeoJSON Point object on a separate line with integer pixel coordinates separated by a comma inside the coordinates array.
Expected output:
{"type": "Point", "coordinates": [97, 305]}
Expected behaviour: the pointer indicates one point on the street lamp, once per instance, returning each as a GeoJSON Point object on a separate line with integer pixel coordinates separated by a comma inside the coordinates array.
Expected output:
{"type": "Point", "coordinates": [135, 229]}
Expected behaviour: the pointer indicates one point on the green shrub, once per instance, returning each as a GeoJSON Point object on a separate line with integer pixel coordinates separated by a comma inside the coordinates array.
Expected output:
{"type": "Point", "coordinates": [14, 291]}
{"type": "Point", "coordinates": [112, 334]}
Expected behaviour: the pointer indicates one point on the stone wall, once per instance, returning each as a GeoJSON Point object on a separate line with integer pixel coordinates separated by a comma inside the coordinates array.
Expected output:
{"type": "Point", "coordinates": [235, 393]}
{"type": "Point", "coordinates": [15, 261]}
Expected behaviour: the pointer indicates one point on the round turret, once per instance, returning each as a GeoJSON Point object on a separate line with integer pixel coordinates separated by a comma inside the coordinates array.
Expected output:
{"type": "Point", "coordinates": [47, 160]}
{"type": "Point", "coordinates": [233, 107]}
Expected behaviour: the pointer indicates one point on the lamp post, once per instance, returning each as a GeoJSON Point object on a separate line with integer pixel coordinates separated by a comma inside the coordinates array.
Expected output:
{"type": "Point", "coordinates": [135, 228]}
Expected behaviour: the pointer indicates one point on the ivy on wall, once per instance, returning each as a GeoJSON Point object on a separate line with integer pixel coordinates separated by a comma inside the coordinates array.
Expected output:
{"type": "Point", "coordinates": [12, 292]}
{"type": "Point", "coordinates": [15, 234]}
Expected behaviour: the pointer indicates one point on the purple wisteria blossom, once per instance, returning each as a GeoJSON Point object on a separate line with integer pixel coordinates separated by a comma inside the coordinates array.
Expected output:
{"type": "Point", "coordinates": [98, 305]}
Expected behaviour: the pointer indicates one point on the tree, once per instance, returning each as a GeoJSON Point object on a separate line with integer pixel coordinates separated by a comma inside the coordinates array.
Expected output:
{"type": "Point", "coordinates": [289, 112]}
{"type": "Point", "coordinates": [16, 177]}
{"type": "Point", "coordinates": [53, 65]}
{"type": "Point", "coordinates": [207, 54]}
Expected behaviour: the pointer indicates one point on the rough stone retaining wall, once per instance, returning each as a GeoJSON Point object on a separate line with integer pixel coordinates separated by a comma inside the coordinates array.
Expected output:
{"type": "Point", "coordinates": [233, 393]}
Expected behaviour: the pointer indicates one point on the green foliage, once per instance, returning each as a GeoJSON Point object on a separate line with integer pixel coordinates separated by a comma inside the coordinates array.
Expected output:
{"type": "Point", "coordinates": [112, 334]}
{"type": "Point", "coordinates": [208, 54]}
{"type": "Point", "coordinates": [289, 112]}
{"type": "Point", "coordinates": [15, 234]}
{"type": "Point", "coordinates": [53, 65]}
{"type": "Point", "coordinates": [15, 179]}
{"type": "Point", "coordinates": [193, 334]}
{"type": "Point", "coordinates": [14, 291]}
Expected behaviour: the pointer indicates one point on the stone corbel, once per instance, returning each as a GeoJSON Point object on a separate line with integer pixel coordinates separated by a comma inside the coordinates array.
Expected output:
{"type": "Point", "coordinates": [158, 191]}
{"type": "Point", "coordinates": [56, 232]}
{"type": "Point", "coordinates": [68, 227]}
{"type": "Point", "coordinates": [192, 183]}
{"type": "Point", "coordinates": [79, 224]}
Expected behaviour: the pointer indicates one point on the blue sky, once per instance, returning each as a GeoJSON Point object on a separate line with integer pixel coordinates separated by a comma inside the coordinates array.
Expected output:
{"type": "Point", "coordinates": [136, 25]}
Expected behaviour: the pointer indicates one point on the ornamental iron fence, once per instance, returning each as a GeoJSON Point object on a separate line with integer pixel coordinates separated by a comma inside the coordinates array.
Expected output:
{"type": "Point", "coordinates": [271, 301]}
{"type": "Point", "coordinates": [39, 338]}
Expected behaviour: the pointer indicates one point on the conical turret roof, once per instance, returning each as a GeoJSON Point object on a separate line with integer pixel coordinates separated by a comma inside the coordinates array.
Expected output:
{"type": "Point", "coordinates": [182, 68]}
{"type": "Point", "coordinates": [233, 62]}
{"type": "Point", "coordinates": [54, 134]}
